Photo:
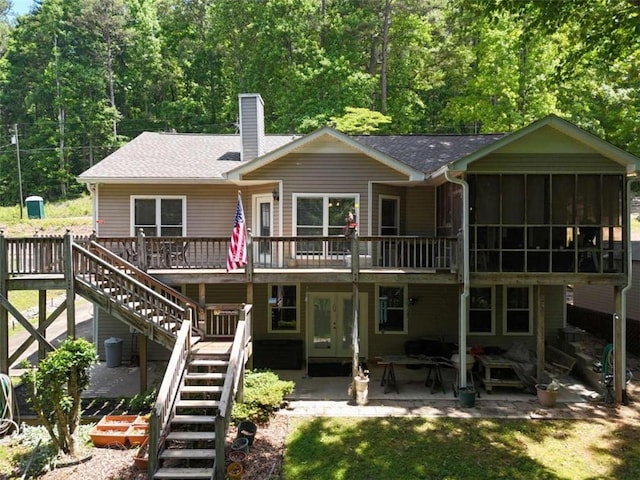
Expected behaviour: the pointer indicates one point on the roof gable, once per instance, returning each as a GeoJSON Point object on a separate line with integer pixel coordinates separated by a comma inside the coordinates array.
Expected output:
{"type": "Point", "coordinates": [325, 140]}
{"type": "Point", "coordinates": [551, 135]}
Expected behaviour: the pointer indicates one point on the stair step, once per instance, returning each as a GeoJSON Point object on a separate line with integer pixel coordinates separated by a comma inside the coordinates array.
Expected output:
{"type": "Point", "coordinates": [183, 453]}
{"type": "Point", "coordinates": [183, 473]}
{"type": "Point", "coordinates": [194, 419]}
{"type": "Point", "coordinates": [201, 389]}
{"type": "Point", "coordinates": [200, 376]}
{"type": "Point", "coordinates": [192, 436]}
{"type": "Point", "coordinates": [202, 362]}
{"type": "Point", "coordinates": [197, 404]}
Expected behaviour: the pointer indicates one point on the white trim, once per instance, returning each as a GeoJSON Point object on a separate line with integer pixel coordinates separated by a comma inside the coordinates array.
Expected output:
{"type": "Point", "coordinates": [493, 313]}
{"type": "Point", "coordinates": [298, 307]}
{"type": "Point", "coordinates": [397, 198]}
{"type": "Point", "coordinates": [370, 208]}
{"type": "Point", "coordinates": [132, 202]}
{"type": "Point", "coordinates": [405, 308]}
{"type": "Point", "coordinates": [505, 308]}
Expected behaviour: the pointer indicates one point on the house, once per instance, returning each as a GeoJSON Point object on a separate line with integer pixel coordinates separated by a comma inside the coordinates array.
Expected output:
{"type": "Point", "coordinates": [468, 239]}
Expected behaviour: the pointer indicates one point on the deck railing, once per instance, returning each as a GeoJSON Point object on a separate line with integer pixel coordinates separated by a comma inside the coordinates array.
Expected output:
{"type": "Point", "coordinates": [40, 255]}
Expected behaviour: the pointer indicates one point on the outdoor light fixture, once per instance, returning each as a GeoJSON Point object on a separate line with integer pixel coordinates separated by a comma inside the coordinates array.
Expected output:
{"type": "Point", "coordinates": [412, 301]}
{"type": "Point", "coordinates": [275, 194]}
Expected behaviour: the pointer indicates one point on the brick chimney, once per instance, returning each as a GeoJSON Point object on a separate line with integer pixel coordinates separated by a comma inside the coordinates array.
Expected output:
{"type": "Point", "coordinates": [251, 125]}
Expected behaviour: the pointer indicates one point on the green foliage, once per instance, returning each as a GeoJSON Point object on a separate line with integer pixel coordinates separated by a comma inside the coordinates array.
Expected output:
{"type": "Point", "coordinates": [264, 393]}
{"type": "Point", "coordinates": [360, 121]}
{"type": "Point", "coordinates": [55, 387]}
{"type": "Point", "coordinates": [143, 402]}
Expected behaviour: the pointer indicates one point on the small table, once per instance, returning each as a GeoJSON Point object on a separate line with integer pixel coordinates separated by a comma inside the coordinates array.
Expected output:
{"type": "Point", "coordinates": [433, 364]}
{"type": "Point", "coordinates": [490, 364]}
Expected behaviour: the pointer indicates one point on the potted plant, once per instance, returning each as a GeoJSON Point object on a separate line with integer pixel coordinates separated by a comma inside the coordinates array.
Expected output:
{"type": "Point", "coordinates": [547, 393]}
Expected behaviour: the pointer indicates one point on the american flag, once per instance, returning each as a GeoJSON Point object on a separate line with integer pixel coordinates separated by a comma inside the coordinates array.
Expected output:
{"type": "Point", "coordinates": [238, 246]}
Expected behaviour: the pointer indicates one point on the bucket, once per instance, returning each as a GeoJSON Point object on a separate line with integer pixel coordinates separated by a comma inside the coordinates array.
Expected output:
{"type": "Point", "coordinates": [362, 390]}
{"type": "Point", "coordinates": [237, 456]}
{"type": "Point", "coordinates": [234, 471]}
{"type": "Point", "coordinates": [467, 397]}
{"type": "Point", "coordinates": [247, 430]}
{"type": "Point", "coordinates": [240, 444]}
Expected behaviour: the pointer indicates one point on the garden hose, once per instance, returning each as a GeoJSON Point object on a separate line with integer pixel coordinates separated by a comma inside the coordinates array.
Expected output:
{"type": "Point", "coordinates": [8, 407]}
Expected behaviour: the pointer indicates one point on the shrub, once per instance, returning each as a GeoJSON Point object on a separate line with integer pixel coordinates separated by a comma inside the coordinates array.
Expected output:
{"type": "Point", "coordinates": [264, 394]}
{"type": "Point", "coordinates": [55, 387]}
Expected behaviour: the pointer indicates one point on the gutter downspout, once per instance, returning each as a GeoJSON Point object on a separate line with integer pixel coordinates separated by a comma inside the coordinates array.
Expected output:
{"type": "Point", "coordinates": [464, 297]}
{"type": "Point", "coordinates": [622, 374]}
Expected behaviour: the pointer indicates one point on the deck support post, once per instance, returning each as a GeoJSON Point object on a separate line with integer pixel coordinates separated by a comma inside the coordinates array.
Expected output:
{"type": "Point", "coordinates": [4, 313]}
{"type": "Point", "coordinates": [142, 351]}
{"type": "Point", "coordinates": [69, 278]}
{"type": "Point", "coordinates": [42, 320]}
{"type": "Point", "coordinates": [540, 331]}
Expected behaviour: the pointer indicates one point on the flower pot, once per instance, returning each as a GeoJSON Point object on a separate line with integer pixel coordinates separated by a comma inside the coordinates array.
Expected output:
{"type": "Point", "coordinates": [104, 435]}
{"type": "Point", "coordinates": [234, 471]}
{"type": "Point", "coordinates": [141, 460]}
{"type": "Point", "coordinates": [546, 397]}
{"type": "Point", "coordinates": [118, 419]}
{"type": "Point", "coordinates": [137, 434]}
{"type": "Point", "coordinates": [240, 444]}
{"type": "Point", "coordinates": [467, 397]}
{"type": "Point", "coordinates": [247, 430]}
{"type": "Point", "coordinates": [362, 390]}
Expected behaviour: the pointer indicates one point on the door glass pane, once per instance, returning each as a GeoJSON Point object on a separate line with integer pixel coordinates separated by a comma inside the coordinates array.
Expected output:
{"type": "Point", "coordinates": [322, 327]}
{"type": "Point", "coordinates": [264, 226]}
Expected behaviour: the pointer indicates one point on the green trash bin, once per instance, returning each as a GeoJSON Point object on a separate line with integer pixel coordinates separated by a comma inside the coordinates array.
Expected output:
{"type": "Point", "coordinates": [35, 207]}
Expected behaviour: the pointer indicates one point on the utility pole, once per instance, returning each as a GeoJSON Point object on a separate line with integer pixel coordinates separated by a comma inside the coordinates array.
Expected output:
{"type": "Point", "coordinates": [16, 141]}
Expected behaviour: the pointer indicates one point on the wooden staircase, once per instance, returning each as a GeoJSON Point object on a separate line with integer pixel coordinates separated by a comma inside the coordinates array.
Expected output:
{"type": "Point", "coordinates": [131, 295]}
{"type": "Point", "coordinates": [188, 450]}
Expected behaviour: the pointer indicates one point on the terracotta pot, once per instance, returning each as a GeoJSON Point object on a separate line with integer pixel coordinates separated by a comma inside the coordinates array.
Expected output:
{"type": "Point", "coordinates": [546, 397]}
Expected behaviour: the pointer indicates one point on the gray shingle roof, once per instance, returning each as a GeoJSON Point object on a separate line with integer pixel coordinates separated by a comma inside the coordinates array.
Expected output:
{"type": "Point", "coordinates": [176, 156]}
{"type": "Point", "coordinates": [427, 153]}
{"type": "Point", "coordinates": [199, 157]}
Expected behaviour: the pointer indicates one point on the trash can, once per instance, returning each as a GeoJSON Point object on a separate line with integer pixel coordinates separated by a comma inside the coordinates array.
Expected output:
{"type": "Point", "coordinates": [35, 207]}
{"type": "Point", "coordinates": [113, 351]}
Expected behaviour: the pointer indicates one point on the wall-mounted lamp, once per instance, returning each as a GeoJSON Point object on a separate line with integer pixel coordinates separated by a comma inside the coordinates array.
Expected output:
{"type": "Point", "coordinates": [413, 301]}
{"type": "Point", "coordinates": [275, 194]}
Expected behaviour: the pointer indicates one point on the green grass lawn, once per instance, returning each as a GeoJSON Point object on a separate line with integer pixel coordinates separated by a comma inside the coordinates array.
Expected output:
{"type": "Point", "coordinates": [465, 449]}
{"type": "Point", "coordinates": [57, 218]}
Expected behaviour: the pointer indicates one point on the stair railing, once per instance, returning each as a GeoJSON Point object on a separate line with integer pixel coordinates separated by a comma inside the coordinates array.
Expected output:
{"type": "Point", "coordinates": [233, 384]}
{"type": "Point", "coordinates": [99, 275]}
{"type": "Point", "coordinates": [193, 308]}
{"type": "Point", "coordinates": [167, 395]}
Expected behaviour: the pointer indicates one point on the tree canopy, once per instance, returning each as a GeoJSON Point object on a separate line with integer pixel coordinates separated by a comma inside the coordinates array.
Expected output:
{"type": "Point", "coordinates": [78, 78]}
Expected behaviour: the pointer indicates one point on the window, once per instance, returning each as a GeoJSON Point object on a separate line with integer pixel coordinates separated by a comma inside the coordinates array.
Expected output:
{"type": "Point", "coordinates": [322, 216]}
{"type": "Point", "coordinates": [517, 311]}
{"type": "Point", "coordinates": [389, 216]}
{"type": "Point", "coordinates": [159, 216]}
{"type": "Point", "coordinates": [283, 308]}
{"type": "Point", "coordinates": [481, 311]}
{"type": "Point", "coordinates": [392, 311]}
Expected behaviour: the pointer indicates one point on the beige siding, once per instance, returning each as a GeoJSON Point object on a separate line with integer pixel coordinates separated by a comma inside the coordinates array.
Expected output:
{"type": "Point", "coordinates": [550, 163]}
{"type": "Point", "coordinates": [420, 213]}
{"type": "Point", "coordinates": [594, 297]}
{"type": "Point", "coordinates": [210, 208]}
{"type": "Point", "coordinates": [311, 173]}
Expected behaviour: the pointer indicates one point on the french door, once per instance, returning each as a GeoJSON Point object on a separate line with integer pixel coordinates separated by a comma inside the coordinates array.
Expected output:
{"type": "Point", "coordinates": [329, 332]}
